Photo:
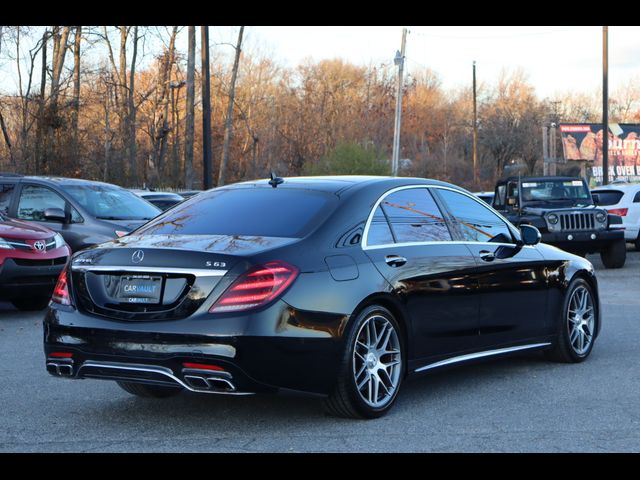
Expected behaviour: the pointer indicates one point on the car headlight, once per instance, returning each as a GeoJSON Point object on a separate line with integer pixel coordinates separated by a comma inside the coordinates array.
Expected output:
{"type": "Point", "coordinates": [553, 218]}
{"type": "Point", "coordinates": [5, 245]}
{"type": "Point", "coordinates": [601, 217]}
{"type": "Point", "coordinates": [59, 240]}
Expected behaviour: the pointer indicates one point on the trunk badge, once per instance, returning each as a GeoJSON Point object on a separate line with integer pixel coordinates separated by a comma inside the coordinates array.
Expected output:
{"type": "Point", "coordinates": [137, 256]}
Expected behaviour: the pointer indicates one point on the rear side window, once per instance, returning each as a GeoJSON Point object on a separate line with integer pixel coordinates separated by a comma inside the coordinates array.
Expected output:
{"type": "Point", "coordinates": [636, 199]}
{"type": "Point", "coordinates": [272, 212]}
{"type": "Point", "coordinates": [415, 217]}
{"type": "Point", "coordinates": [475, 222]}
{"type": "Point", "coordinates": [379, 230]}
{"type": "Point", "coordinates": [6, 189]}
{"type": "Point", "coordinates": [608, 197]}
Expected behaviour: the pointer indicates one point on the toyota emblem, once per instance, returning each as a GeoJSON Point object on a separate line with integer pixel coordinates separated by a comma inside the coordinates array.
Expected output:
{"type": "Point", "coordinates": [38, 246]}
{"type": "Point", "coordinates": [137, 256]}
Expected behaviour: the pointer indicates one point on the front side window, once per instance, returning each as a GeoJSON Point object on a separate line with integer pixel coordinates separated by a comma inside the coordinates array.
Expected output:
{"type": "Point", "coordinates": [473, 221]}
{"type": "Point", "coordinates": [108, 202]}
{"type": "Point", "coordinates": [6, 189]}
{"type": "Point", "coordinates": [415, 217]}
{"type": "Point", "coordinates": [34, 200]}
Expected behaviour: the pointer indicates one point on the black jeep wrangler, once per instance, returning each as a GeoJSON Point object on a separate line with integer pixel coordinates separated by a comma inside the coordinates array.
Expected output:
{"type": "Point", "coordinates": [563, 210]}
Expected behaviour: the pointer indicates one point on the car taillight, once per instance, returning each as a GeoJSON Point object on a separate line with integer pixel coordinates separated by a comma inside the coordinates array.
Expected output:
{"type": "Point", "coordinates": [256, 287]}
{"type": "Point", "coordinates": [61, 292]}
{"type": "Point", "coordinates": [619, 211]}
{"type": "Point", "coordinates": [121, 233]}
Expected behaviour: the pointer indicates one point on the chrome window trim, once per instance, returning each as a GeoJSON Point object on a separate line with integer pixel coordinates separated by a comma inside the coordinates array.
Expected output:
{"type": "Point", "coordinates": [486, 353]}
{"type": "Point", "coordinates": [198, 272]}
{"type": "Point", "coordinates": [365, 234]}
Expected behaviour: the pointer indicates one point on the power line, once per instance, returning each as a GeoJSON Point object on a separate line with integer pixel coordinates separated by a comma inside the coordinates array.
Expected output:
{"type": "Point", "coordinates": [493, 36]}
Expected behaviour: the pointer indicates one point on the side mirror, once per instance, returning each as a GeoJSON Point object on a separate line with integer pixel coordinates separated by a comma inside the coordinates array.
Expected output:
{"type": "Point", "coordinates": [530, 235]}
{"type": "Point", "coordinates": [55, 215]}
{"type": "Point", "coordinates": [596, 198]}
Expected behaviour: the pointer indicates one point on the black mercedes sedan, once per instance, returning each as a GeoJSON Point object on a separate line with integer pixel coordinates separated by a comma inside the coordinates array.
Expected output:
{"type": "Point", "coordinates": [338, 286]}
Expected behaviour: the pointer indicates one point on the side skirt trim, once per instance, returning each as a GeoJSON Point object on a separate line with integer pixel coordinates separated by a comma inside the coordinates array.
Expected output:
{"type": "Point", "coordinates": [473, 356]}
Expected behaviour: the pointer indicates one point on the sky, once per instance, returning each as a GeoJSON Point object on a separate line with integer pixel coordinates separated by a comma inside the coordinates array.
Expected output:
{"type": "Point", "coordinates": [556, 59]}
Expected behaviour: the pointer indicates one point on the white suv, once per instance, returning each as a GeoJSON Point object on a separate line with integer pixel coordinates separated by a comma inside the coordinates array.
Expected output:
{"type": "Point", "coordinates": [623, 199]}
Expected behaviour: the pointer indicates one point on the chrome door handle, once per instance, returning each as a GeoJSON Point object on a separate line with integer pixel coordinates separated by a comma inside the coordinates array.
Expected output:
{"type": "Point", "coordinates": [487, 256]}
{"type": "Point", "coordinates": [395, 260]}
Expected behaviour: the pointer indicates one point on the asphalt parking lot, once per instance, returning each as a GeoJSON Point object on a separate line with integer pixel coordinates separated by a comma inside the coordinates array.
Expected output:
{"type": "Point", "coordinates": [522, 404]}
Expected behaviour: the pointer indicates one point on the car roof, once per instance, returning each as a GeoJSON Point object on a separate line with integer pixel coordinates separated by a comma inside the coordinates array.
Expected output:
{"type": "Point", "coordinates": [617, 186]}
{"type": "Point", "coordinates": [340, 183]}
{"type": "Point", "coordinates": [55, 180]}
{"type": "Point", "coordinates": [153, 193]}
{"type": "Point", "coordinates": [541, 179]}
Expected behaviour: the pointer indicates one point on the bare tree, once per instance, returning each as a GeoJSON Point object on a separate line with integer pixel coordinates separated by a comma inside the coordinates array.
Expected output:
{"type": "Point", "coordinates": [228, 127]}
{"type": "Point", "coordinates": [189, 127]}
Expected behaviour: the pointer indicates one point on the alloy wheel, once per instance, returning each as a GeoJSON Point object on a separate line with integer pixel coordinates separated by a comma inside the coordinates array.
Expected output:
{"type": "Point", "coordinates": [581, 320]}
{"type": "Point", "coordinates": [377, 361]}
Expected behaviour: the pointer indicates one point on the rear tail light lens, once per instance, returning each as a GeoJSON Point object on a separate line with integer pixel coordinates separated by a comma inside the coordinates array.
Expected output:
{"type": "Point", "coordinates": [619, 211]}
{"type": "Point", "coordinates": [61, 292]}
{"type": "Point", "coordinates": [121, 233]}
{"type": "Point", "coordinates": [256, 287]}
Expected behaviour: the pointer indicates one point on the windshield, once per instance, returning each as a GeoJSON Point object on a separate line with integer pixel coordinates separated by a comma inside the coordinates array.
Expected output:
{"type": "Point", "coordinates": [562, 191]}
{"type": "Point", "coordinates": [272, 212]}
{"type": "Point", "coordinates": [109, 202]}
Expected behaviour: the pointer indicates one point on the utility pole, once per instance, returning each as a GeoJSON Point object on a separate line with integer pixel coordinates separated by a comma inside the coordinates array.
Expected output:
{"type": "Point", "coordinates": [206, 109]}
{"type": "Point", "coordinates": [475, 129]}
{"type": "Point", "coordinates": [605, 105]}
{"type": "Point", "coordinates": [399, 61]}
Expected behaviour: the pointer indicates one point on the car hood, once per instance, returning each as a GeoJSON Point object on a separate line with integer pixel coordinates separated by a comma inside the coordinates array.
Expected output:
{"type": "Point", "coordinates": [543, 210]}
{"type": "Point", "coordinates": [20, 229]}
{"type": "Point", "coordinates": [129, 225]}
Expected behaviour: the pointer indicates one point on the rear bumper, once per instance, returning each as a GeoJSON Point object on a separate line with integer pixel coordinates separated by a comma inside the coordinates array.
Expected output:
{"type": "Point", "coordinates": [285, 357]}
{"type": "Point", "coordinates": [582, 241]}
{"type": "Point", "coordinates": [26, 278]}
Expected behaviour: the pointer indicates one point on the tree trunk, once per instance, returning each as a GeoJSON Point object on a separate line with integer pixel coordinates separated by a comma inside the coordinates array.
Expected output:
{"type": "Point", "coordinates": [189, 134]}
{"type": "Point", "coordinates": [131, 113]}
{"type": "Point", "coordinates": [76, 91]}
{"type": "Point", "coordinates": [228, 127]}
{"type": "Point", "coordinates": [162, 129]}
{"type": "Point", "coordinates": [39, 157]}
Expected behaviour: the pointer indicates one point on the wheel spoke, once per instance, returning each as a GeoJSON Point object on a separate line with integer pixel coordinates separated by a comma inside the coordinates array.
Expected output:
{"type": "Point", "coordinates": [376, 383]}
{"type": "Point", "coordinates": [574, 335]}
{"type": "Point", "coordinates": [363, 383]}
{"type": "Point", "coordinates": [362, 370]}
{"type": "Point", "coordinates": [580, 340]}
{"type": "Point", "coordinates": [382, 382]}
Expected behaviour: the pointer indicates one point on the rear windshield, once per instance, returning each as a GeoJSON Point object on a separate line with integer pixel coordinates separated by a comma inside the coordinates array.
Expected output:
{"type": "Point", "coordinates": [608, 197]}
{"type": "Point", "coordinates": [273, 212]}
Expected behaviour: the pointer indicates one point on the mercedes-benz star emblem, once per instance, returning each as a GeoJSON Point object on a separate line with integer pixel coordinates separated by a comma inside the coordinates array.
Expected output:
{"type": "Point", "coordinates": [137, 256]}
{"type": "Point", "coordinates": [38, 245]}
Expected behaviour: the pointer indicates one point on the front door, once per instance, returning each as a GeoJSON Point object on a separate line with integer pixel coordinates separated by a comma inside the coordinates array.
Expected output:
{"type": "Point", "coordinates": [512, 278]}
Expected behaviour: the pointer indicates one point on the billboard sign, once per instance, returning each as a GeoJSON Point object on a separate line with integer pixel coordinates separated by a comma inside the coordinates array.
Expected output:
{"type": "Point", "coordinates": [583, 141]}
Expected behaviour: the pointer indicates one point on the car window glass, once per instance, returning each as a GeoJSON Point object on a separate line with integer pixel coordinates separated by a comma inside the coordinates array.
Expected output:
{"type": "Point", "coordinates": [379, 231]}
{"type": "Point", "coordinates": [475, 222]}
{"type": "Point", "coordinates": [636, 199]}
{"type": "Point", "coordinates": [6, 190]}
{"type": "Point", "coordinates": [415, 217]}
{"type": "Point", "coordinates": [34, 200]}
{"type": "Point", "coordinates": [499, 199]}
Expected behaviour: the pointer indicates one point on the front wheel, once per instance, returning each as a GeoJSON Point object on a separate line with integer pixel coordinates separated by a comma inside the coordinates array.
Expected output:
{"type": "Point", "coordinates": [372, 367]}
{"type": "Point", "coordinates": [577, 324]}
{"type": "Point", "coordinates": [615, 255]}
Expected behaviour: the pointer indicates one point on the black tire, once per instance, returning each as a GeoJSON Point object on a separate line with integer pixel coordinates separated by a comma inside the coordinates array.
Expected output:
{"type": "Point", "coordinates": [149, 391]}
{"type": "Point", "coordinates": [615, 255]}
{"type": "Point", "coordinates": [346, 400]}
{"type": "Point", "coordinates": [563, 349]}
{"type": "Point", "coordinates": [30, 304]}
{"type": "Point", "coordinates": [637, 243]}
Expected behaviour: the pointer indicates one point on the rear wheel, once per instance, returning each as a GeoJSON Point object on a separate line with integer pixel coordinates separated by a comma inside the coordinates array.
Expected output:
{"type": "Point", "coordinates": [372, 367]}
{"type": "Point", "coordinates": [577, 324]}
{"type": "Point", "coordinates": [637, 243]}
{"type": "Point", "coordinates": [149, 391]}
{"type": "Point", "coordinates": [615, 255]}
{"type": "Point", "coordinates": [27, 304]}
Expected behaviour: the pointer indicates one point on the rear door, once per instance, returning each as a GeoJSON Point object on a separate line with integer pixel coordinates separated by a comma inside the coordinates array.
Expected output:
{"type": "Point", "coordinates": [410, 244]}
{"type": "Point", "coordinates": [512, 278]}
